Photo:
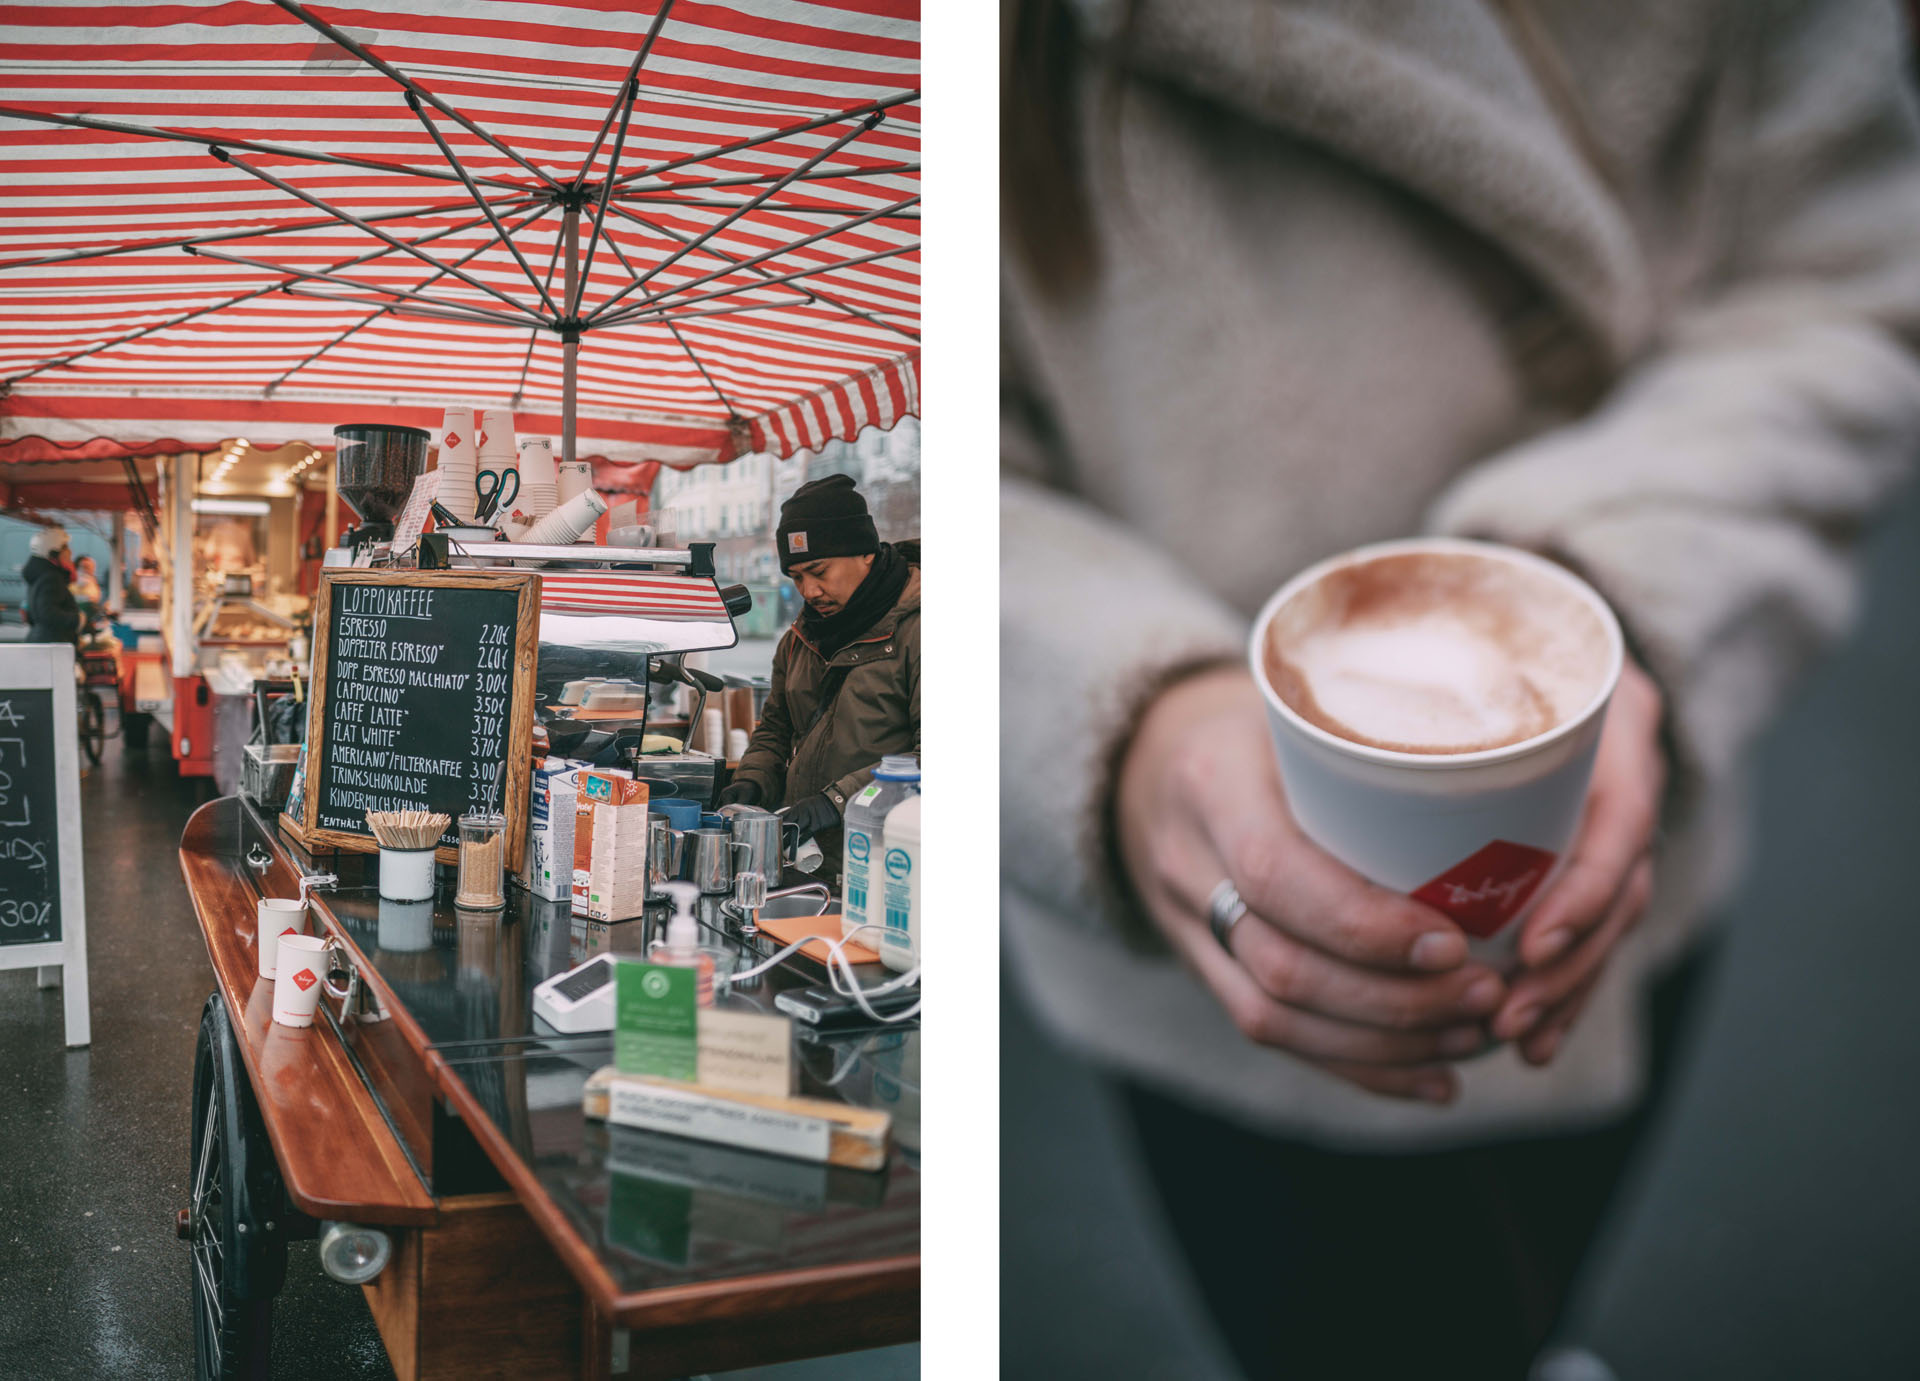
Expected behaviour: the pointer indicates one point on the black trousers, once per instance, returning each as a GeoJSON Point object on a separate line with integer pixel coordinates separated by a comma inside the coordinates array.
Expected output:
{"type": "Point", "coordinates": [1317, 1263]}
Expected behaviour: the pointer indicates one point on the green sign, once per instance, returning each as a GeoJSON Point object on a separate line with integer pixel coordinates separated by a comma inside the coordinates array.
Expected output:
{"type": "Point", "coordinates": [656, 1020]}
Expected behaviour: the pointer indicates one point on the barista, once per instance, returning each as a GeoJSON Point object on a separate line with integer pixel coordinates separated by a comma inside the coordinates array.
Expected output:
{"type": "Point", "coordinates": [846, 676]}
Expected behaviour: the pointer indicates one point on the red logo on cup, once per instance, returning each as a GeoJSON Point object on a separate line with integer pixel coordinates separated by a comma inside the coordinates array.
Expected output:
{"type": "Point", "coordinates": [1486, 891]}
{"type": "Point", "coordinates": [452, 439]}
{"type": "Point", "coordinates": [305, 979]}
{"type": "Point", "coordinates": [480, 438]}
{"type": "Point", "coordinates": [290, 930]}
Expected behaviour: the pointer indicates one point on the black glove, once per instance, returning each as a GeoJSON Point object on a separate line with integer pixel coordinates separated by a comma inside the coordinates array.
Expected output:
{"type": "Point", "coordinates": [741, 794]}
{"type": "Point", "coordinates": [812, 814]}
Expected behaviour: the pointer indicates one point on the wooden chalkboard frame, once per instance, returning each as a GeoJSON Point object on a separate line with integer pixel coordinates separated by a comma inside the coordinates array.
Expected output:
{"type": "Point", "coordinates": [49, 666]}
{"type": "Point", "coordinates": [514, 797]}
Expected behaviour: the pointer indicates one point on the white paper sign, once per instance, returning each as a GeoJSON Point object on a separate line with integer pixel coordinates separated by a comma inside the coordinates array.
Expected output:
{"type": "Point", "coordinates": [659, 1108]}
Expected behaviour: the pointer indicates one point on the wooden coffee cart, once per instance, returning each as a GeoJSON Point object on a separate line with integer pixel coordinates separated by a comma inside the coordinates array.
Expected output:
{"type": "Point", "coordinates": [527, 1241]}
{"type": "Point", "coordinates": [426, 1105]}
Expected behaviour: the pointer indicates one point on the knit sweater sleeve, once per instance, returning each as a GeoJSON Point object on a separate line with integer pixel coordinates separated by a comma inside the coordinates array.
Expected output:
{"type": "Point", "coordinates": [1090, 614]}
{"type": "Point", "coordinates": [1714, 497]}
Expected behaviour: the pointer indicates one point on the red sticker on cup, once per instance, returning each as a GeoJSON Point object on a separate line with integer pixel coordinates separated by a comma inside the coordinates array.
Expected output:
{"type": "Point", "coordinates": [1486, 891]}
{"type": "Point", "coordinates": [453, 439]}
{"type": "Point", "coordinates": [291, 930]}
{"type": "Point", "coordinates": [305, 979]}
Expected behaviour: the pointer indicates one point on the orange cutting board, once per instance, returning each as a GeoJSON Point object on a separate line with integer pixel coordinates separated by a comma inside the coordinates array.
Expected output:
{"type": "Point", "coordinates": [791, 928]}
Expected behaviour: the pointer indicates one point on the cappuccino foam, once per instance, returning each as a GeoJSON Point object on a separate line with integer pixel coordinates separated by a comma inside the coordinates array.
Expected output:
{"type": "Point", "coordinates": [1436, 652]}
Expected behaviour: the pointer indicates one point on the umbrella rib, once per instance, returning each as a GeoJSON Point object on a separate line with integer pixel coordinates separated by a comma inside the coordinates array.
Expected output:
{"type": "Point", "coordinates": [533, 336]}
{"type": "Point", "coordinates": [350, 219]}
{"type": "Point", "coordinates": [664, 316]}
{"type": "Point", "coordinates": [633, 76]}
{"type": "Point", "coordinates": [885, 103]}
{"type": "Point", "coordinates": [758, 259]}
{"type": "Point", "coordinates": [397, 308]}
{"type": "Point", "coordinates": [511, 204]}
{"type": "Point", "coordinates": [754, 179]}
{"type": "Point", "coordinates": [866, 124]}
{"type": "Point", "coordinates": [413, 104]}
{"type": "Point", "coordinates": [42, 367]}
{"type": "Point", "coordinates": [783, 208]}
{"type": "Point", "coordinates": [375, 316]}
{"type": "Point", "coordinates": [306, 17]}
{"type": "Point", "coordinates": [215, 307]}
{"type": "Point", "coordinates": [252, 146]}
{"type": "Point", "coordinates": [725, 401]}
{"type": "Point", "coordinates": [301, 275]}
{"type": "Point", "coordinates": [763, 273]}
{"type": "Point", "coordinates": [600, 210]}
{"type": "Point", "coordinates": [651, 305]}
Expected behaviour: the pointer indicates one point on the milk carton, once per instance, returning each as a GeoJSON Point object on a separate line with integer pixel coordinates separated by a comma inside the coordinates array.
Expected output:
{"type": "Point", "coordinates": [609, 846]}
{"type": "Point", "coordinates": [549, 859]}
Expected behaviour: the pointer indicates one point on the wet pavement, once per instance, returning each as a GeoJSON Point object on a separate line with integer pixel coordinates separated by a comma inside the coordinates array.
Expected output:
{"type": "Point", "coordinates": [93, 1142]}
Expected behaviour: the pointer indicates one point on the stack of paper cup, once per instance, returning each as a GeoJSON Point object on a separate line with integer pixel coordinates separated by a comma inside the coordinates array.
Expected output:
{"type": "Point", "coordinates": [575, 479]}
{"type": "Point", "coordinates": [458, 461]}
{"type": "Point", "coordinates": [497, 449]}
{"type": "Point", "coordinates": [539, 485]}
{"type": "Point", "coordinates": [565, 524]}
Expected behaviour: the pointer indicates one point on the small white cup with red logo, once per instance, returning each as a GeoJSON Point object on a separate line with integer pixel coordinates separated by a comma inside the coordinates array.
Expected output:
{"type": "Point", "coordinates": [1477, 835]}
{"type": "Point", "coordinates": [276, 916]}
{"type": "Point", "coordinates": [303, 972]}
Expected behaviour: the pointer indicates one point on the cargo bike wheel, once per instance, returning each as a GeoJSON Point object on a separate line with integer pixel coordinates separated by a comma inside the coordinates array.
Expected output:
{"type": "Point", "coordinates": [92, 717]}
{"type": "Point", "coordinates": [236, 1221]}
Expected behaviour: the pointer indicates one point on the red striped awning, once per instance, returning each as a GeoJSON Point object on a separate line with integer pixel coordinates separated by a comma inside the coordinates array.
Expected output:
{"type": "Point", "coordinates": [753, 285]}
{"type": "Point", "coordinates": [628, 592]}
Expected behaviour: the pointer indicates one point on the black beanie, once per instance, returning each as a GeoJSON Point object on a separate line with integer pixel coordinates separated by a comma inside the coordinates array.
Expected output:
{"type": "Point", "coordinates": [825, 517]}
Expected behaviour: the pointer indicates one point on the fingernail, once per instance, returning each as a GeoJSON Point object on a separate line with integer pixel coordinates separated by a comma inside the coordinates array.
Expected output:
{"type": "Point", "coordinates": [1512, 1023]}
{"type": "Point", "coordinates": [1548, 1046]}
{"type": "Point", "coordinates": [1439, 949]}
{"type": "Point", "coordinates": [1483, 995]}
{"type": "Point", "coordinates": [1462, 1040]}
{"type": "Point", "coordinates": [1552, 945]}
{"type": "Point", "coordinates": [1435, 1090]}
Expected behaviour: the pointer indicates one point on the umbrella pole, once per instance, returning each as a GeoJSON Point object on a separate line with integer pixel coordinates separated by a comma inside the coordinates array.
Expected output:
{"type": "Point", "coordinates": [570, 346]}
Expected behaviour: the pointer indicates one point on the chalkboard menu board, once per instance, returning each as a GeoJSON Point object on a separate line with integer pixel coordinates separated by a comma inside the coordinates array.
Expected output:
{"type": "Point", "coordinates": [29, 820]}
{"type": "Point", "coordinates": [422, 700]}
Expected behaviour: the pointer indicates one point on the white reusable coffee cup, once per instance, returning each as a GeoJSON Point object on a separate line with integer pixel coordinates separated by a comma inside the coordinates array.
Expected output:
{"type": "Point", "coordinates": [276, 916]}
{"type": "Point", "coordinates": [1476, 835]}
{"type": "Point", "coordinates": [303, 972]}
{"type": "Point", "coordinates": [459, 461]}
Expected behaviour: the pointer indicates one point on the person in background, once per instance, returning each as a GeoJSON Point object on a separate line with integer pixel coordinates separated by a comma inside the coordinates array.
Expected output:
{"type": "Point", "coordinates": [1635, 286]}
{"type": "Point", "coordinates": [53, 616]}
{"type": "Point", "coordinates": [86, 589]}
{"type": "Point", "coordinates": [846, 675]}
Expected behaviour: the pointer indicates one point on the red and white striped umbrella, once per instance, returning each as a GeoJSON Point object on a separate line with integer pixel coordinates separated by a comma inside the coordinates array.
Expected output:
{"type": "Point", "coordinates": [261, 219]}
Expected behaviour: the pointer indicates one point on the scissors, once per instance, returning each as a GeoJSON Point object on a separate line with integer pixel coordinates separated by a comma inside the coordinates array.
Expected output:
{"type": "Point", "coordinates": [494, 491]}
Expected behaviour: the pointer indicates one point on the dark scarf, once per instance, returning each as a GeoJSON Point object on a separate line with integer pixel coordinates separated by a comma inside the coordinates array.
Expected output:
{"type": "Point", "coordinates": [886, 578]}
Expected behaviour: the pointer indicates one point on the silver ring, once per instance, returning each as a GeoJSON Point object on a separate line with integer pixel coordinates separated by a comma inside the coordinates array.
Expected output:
{"type": "Point", "coordinates": [1224, 910]}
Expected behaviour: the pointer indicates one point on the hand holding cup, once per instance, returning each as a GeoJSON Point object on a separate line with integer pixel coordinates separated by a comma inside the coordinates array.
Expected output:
{"type": "Point", "coordinates": [1363, 982]}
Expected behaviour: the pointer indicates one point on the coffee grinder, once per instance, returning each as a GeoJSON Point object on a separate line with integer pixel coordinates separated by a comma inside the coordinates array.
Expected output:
{"type": "Point", "coordinates": [375, 466]}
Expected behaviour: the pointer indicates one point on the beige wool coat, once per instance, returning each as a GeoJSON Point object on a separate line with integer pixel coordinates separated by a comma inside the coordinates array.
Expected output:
{"type": "Point", "coordinates": [1352, 253]}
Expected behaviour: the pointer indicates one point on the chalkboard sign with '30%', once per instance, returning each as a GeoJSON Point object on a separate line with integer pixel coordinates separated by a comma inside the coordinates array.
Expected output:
{"type": "Point", "coordinates": [422, 700]}
{"type": "Point", "coordinates": [29, 820]}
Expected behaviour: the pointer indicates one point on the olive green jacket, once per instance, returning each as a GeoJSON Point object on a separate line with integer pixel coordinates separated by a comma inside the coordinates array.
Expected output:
{"type": "Point", "coordinates": [798, 750]}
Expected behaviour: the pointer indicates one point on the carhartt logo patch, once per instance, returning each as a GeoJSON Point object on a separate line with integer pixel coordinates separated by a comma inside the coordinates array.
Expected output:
{"type": "Point", "coordinates": [796, 541]}
{"type": "Point", "coordinates": [304, 979]}
{"type": "Point", "coordinates": [1486, 891]}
